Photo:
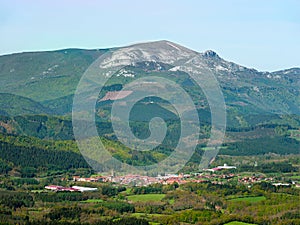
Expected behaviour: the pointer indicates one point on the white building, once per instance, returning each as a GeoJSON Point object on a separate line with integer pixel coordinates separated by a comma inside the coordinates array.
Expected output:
{"type": "Point", "coordinates": [83, 189]}
{"type": "Point", "coordinates": [53, 187]}
{"type": "Point", "coordinates": [226, 167]}
{"type": "Point", "coordinates": [281, 184]}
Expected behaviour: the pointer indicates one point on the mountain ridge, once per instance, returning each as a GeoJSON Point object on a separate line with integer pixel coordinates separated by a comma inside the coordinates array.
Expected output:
{"type": "Point", "coordinates": [51, 77]}
{"type": "Point", "coordinates": [209, 53]}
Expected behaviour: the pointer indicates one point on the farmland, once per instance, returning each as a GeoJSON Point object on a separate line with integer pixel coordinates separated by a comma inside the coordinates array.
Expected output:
{"type": "Point", "coordinates": [146, 197]}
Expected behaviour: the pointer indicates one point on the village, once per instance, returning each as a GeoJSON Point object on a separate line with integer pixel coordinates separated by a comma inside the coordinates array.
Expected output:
{"type": "Point", "coordinates": [213, 176]}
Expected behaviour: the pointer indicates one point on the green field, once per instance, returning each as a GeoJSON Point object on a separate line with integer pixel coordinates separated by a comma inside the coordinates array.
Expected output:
{"type": "Point", "coordinates": [93, 201]}
{"type": "Point", "coordinates": [238, 223]}
{"type": "Point", "coordinates": [37, 191]}
{"type": "Point", "coordinates": [128, 190]}
{"type": "Point", "coordinates": [146, 197]}
{"type": "Point", "coordinates": [249, 199]}
{"type": "Point", "coordinates": [144, 215]}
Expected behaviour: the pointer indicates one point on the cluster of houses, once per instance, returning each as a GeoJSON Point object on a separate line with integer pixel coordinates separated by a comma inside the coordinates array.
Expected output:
{"type": "Point", "coordinates": [138, 180]}
{"type": "Point", "coordinates": [206, 176]}
{"type": "Point", "coordinates": [91, 179]}
{"type": "Point", "coordinates": [135, 180]}
{"type": "Point", "coordinates": [253, 179]}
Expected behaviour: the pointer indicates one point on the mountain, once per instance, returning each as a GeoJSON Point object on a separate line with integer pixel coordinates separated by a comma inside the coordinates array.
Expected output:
{"type": "Point", "coordinates": [37, 91]}
{"type": "Point", "coordinates": [50, 78]}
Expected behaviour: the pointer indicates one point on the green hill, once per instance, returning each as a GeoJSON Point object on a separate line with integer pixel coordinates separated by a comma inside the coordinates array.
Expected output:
{"type": "Point", "coordinates": [14, 105]}
{"type": "Point", "coordinates": [44, 76]}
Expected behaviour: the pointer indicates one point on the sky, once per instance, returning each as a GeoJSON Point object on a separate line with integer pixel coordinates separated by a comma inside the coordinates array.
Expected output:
{"type": "Point", "coordinates": [260, 34]}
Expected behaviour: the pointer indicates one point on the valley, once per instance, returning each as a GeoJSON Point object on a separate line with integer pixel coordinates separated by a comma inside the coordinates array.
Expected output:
{"type": "Point", "coordinates": [38, 147]}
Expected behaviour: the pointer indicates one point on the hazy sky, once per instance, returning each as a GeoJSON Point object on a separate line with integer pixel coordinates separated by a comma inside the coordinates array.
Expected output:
{"type": "Point", "coordinates": [263, 34]}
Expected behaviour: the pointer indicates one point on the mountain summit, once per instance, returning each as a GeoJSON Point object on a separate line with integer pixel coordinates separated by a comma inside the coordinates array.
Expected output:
{"type": "Point", "coordinates": [210, 54]}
